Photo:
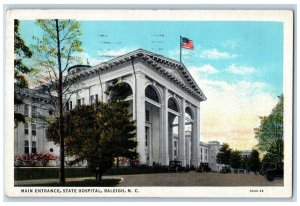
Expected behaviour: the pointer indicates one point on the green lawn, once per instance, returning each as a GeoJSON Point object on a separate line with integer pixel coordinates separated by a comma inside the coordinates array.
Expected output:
{"type": "Point", "coordinates": [83, 183]}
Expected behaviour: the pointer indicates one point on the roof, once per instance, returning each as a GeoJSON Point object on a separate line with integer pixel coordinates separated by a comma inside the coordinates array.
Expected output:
{"type": "Point", "coordinates": [35, 94]}
{"type": "Point", "coordinates": [156, 61]}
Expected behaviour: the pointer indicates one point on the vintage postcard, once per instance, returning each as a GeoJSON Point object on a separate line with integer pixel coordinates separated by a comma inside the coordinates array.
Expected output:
{"type": "Point", "coordinates": [149, 103]}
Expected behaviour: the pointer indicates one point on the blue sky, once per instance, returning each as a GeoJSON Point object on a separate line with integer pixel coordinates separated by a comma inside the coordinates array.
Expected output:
{"type": "Point", "coordinates": [243, 59]}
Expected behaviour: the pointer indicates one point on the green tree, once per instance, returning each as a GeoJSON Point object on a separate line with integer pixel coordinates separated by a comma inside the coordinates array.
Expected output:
{"type": "Point", "coordinates": [56, 50]}
{"type": "Point", "coordinates": [21, 51]}
{"type": "Point", "coordinates": [118, 91]}
{"type": "Point", "coordinates": [245, 163]}
{"type": "Point", "coordinates": [224, 154]}
{"type": "Point", "coordinates": [270, 133]}
{"type": "Point", "coordinates": [235, 159]}
{"type": "Point", "coordinates": [97, 133]}
{"type": "Point", "coordinates": [254, 161]}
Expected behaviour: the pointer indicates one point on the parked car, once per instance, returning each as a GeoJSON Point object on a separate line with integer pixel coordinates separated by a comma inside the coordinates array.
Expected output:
{"type": "Point", "coordinates": [203, 167]}
{"type": "Point", "coordinates": [225, 170]}
{"type": "Point", "coordinates": [266, 166]}
{"type": "Point", "coordinates": [273, 173]}
{"type": "Point", "coordinates": [175, 166]}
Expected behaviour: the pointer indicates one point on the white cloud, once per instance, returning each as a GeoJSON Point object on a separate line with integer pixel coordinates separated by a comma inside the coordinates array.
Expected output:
{"type": "Point", "coordinates": [232, 110]}
{"type": "Point", "coordinates": [234, 69]}
{"type": "Point", "coordinates": [207, 69]}
{"type": "Point", "coordinates": [92, 60]}
{"type": "Point", "coordinates": [216, 54]}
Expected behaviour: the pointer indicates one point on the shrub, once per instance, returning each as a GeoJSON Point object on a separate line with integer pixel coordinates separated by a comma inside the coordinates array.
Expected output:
{"type": "Point", "coordinates": [33, 159]}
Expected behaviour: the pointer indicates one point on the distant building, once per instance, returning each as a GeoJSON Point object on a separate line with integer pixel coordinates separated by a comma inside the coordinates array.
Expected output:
{"type": "Point", "coordinates": [31, 136]}
{"type": "Point", "coordinates": [246, 153]}
{"type": "Point", "coordinates": [208, 154]}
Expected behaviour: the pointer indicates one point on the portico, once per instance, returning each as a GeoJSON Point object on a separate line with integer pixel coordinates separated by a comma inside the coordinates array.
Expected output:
{"type": "Point", "coordinates": [165, 103]}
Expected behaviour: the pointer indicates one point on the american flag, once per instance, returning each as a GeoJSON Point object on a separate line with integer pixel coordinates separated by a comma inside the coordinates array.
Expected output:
{"type": "Point", "coordinates": [187, 43]}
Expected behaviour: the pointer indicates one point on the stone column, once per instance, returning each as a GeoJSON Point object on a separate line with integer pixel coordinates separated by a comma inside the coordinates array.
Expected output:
{"type": "Point", "coordinates": [161, 134]}
{"type": "Point", "coordinates": [181, 135]}
{"type": "Point", "coordinates": [187, 150]}
{"type": "Point", "coordinates": [165, 149]}
{"type": "Point", "coordinates": [103, 90]}
{"type": "Point", "coordinates": [196, 138]}
{"type": "Point", "coordinates": [140, 117]}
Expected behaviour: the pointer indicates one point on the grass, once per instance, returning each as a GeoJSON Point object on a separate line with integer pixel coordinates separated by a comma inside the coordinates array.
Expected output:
{"type": "Point", "coordinates": [83, 183]}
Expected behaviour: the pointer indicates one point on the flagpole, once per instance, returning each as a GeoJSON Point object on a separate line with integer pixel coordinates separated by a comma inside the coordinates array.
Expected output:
{"type": "Point", "coordinates": [180, 48]}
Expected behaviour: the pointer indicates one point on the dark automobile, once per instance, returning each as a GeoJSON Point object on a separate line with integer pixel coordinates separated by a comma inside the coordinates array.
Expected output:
{"type": "Point", "coordinates": [266, 166]}
{"type": "Point", "coordinates": [203, 167]}
{"type": "Point", "coordinates": [225, 170]}
{"type": "Point", "coordinates": [276, 172]}
{"type": "Point", "coordinates": [175, 166]}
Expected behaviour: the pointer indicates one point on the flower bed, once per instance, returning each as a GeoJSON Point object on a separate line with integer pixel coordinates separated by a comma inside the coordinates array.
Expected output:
{"type": "Point", "coordinates": [34, 159]}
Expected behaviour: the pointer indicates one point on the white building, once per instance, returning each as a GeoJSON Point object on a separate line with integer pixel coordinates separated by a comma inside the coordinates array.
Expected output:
{"type": "Point", "coordinates": [208, 154]}
{"type": "Point", "coordinates": [31, 136]}
{"type": "Point", "coordinates": [165, 100]}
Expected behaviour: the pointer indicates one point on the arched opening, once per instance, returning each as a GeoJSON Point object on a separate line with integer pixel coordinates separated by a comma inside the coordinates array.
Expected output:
{"type": "Point", "coordinates": [173, 129]}
{"type": "Point", "coordinates": [152, 125]}
{"type": "Point", "coordinates": [188, 134]}
{"type": "Point", "coordinates": [151, 94]}
{"type": "Point", "coordinates": [173, 105]}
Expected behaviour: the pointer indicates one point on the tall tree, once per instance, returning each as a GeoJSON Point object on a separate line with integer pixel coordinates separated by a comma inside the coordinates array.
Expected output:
{"type": "Point", "coordinates": [22, 51]}
{"type": "Point", "coordinates": [118, 91]}
{"type": "Point", "coordinates": [57, 49]}
{"type": "Point", "coordinates": [235, 159]}
{"type": "Point", "coordinates": [97, 133]}
{"type": "Point", "coordinates": [224, 154]}
{"type": "Point", "coordinates": [270, 133]}
{"type": "Point", "coordinates": [254, 161]}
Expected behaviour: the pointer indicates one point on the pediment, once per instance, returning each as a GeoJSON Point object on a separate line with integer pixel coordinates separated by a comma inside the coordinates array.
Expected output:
{"type": "Point", "coordinates": [177, 74]}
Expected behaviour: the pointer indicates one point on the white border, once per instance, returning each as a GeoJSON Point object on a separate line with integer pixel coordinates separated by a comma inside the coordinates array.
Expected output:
{"type": "Point", "coordinates": [285, 16]}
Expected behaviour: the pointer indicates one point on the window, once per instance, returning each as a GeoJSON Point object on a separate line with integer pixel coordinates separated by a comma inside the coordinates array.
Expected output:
{"type": "Point", "coordinates": [78, 102]}
{"type": "Point", "coordinates": [147, 116]}
{"type": "Point", "coordinates": [33, 111]}
{"type": "Point", "coordinates": [96, 97]}
{"type": "Point", "coordinates": [26, 128]}
{"type": "Point", "coordinates": [201, 151]}
{"type": "Point", "coordinates": [188, 113]}
{"type": "Point", "coordinates": [70, 105]}
{"type": "Point", "coordinates": [33, 130]}
{"type": "Point", "coordinates": [67, 106]}
{"type": "Point", "coordinates": [175, 153]}
{"type": "Point", "coordinates": [146, 136]}
{"type": "Point", "coordinates": [26, 147]}
{"type": "Point", "coordinates": [50, 112]}
{"type": "Point", "coordinates": [172, 105]}
{"type": "Point", "coordinates": [26, 109]}
{"type": "Point", "coordinates": [151, 94]}
{"type": "Point", "coordinates": [33, 146]}
{"type": "Point", "coordinates": [175, 144]}
{"type": "Point", "coordinates": [92, 100]}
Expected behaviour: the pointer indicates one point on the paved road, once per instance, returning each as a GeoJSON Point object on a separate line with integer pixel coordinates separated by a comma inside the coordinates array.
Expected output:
{"type": "Point", "coordinates": [178, 179]}
{"type": "Point", "coordinates": [197, 179]}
